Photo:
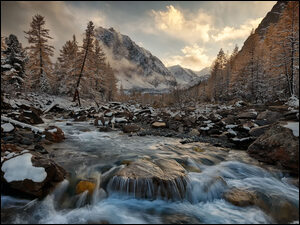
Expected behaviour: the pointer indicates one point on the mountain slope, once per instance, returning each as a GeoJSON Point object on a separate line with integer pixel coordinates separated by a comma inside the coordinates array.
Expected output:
{"type": "Point", "coordinates": [135, 67]}
{"type": "Point", "coordinates": [186, 77]}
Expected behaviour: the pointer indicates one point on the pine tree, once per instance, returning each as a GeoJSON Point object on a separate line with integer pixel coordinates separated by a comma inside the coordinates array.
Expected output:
{"type": "Point", "coordinates": [13, 61]}
{"type": "Point", "coordinates": [39, 66]}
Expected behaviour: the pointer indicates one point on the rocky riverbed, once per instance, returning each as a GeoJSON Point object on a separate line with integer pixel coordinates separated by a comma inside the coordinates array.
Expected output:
{"type": "Point", "coordinates": [122, 163]}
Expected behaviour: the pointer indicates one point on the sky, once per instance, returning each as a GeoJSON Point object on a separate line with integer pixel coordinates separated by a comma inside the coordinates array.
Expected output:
{"type": "Point", "coordinates": [188, 33]}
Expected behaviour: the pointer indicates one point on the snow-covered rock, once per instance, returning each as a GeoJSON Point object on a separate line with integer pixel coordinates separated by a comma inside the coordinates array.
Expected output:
{"type": "Point", "coordinates": [20, 168]}
{"type": "Point", "coordinates": [7, 127]}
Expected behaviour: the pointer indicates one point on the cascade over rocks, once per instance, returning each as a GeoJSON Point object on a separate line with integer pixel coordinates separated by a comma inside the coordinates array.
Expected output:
{"type": "Point", "coordinates": [160, 178]}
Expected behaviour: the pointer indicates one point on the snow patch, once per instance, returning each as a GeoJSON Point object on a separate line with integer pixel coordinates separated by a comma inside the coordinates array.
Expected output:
{"type": "Point", "coordinates": [7, 127]}
{"type": "Point", "coordinates": [20, 168]}
{"type": "Point", "coordinates": [23, 125]}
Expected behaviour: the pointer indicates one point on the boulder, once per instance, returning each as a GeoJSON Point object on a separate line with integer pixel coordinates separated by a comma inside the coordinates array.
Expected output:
{"type": "Point", "coordinates": [54, 134]}
{"type": "Point", "coordinates": [159, 125]}
{"type": "Point", "coordinates": [161, 178]}
{"type": "Point", "coordinates": [240, 197]}
{"type": "Point", "coordinates": [31, 116]}
{"type": "Point", "coordinates": [30, 173]}
{"type": "Point", "coordinates": [128, 128]}
{"type": "Point", "coordinates": [257, 131]}
{"type": "Point", "coordinates": [247, 115]}
{"type": "Point", "coordinates": [99, 121]}
{"type": "Point", "coordinates": [292, 115]}
{"type": "Point", "coordinates": [269, 116]}
{"type": "Point", "coordinates": [278, 145]}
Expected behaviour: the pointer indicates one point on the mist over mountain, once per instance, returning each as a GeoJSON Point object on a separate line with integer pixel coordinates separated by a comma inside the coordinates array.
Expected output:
{"type": "Point", "coordinates": [135, 67]}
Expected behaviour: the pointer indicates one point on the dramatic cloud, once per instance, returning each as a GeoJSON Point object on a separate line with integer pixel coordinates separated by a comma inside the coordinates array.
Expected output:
{"type": "Point", "coordinates": [193, 57]}
{"type": "Point", "coordinates": [232, 33]}
{"type": "Point", "coordinates": [171, 31]}
{"type": "Point", "coordinates": [63, 20]}
{"type": "Point", "coordinates": [190, 28]}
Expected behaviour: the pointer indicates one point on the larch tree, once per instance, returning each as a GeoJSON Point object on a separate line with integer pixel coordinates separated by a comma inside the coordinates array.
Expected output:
{"type": "Point", "coordinates": [68, 68]}
{"type": "Point", "coordinates": [285, 49]}
{"type": "Point", "coordinates": [111, 82]}
{"type": "Point", "coordinates": [39, 66]}
{"type": "Point", "coordinates": [13, 61]}
{"type": "Point", "coordinates": [99, 80]}
{"type": "Point", "coordinates": [87, 50]}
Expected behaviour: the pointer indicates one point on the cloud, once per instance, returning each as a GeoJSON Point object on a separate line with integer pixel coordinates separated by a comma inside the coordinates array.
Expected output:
{"type": "Point", "coordinates": [193, 57]}
{"type": "Point", "coordinates": [231, 33]}
{"type": "Point", "coordinates": [188, 27]}
{"type": "Point", "coordinates": [62, 19]}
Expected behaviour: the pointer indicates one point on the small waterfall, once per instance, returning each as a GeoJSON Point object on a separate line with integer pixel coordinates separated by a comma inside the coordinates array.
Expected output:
{"type": "Point", "coordinates": [149, 188]}
{"type": "Point", "coordinates": [82, 199]}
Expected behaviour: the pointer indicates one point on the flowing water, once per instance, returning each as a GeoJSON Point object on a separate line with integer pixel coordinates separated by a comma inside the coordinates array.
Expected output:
{"type": "Point", "coordinates": [88, 154]}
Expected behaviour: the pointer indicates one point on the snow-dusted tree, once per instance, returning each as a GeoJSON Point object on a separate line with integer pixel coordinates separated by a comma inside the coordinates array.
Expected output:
{"type": "Point", "coordinates": [39, 66]}
{"type": "Point", "coordinates": [285, 45]}
{"type": "Point", "coordinates": [111, 82]}
{"type": "Point", "coordinates": [68, 67]}
{"type": "Point", "coordinates": [13, 59]}
{"type": "Point", "coordinates": [99, 81]}
{"type": "Point", "coordinates": [87, 51]}
{"type": "Point", "coordinates": [217, 79]}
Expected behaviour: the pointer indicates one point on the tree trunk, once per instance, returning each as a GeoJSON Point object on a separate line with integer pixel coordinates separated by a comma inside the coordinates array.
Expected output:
{"type": "Point", "coordinates": [76, 94]}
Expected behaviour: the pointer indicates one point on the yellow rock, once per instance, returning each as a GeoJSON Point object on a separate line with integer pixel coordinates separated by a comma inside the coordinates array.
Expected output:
{"type": "Point", "coordinates": [85, 185]}
{"type": "Point", "coordinates": [197, 149]}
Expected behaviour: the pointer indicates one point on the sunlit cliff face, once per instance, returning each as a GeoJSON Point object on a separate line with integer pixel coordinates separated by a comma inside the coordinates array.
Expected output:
{"type": "Point", "coordinates": [185, 33]}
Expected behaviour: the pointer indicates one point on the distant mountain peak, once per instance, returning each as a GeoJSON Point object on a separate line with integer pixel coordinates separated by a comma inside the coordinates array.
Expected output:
{"type": "Point", "coordinates": [134, 66]}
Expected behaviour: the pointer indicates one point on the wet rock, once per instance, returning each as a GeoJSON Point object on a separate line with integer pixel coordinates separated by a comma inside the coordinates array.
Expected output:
{"type": "Point", "coordinates": [128, 128]}
{"type": "Point", "coordinates": [179, 219]}
{"type": "Point", "coordinates": [105, 129]}
{"type": "Point", "coordinates": [99, 121]}
{"type": "Point", "coordinates": [257, 131]}
{"type": "Point", "coordinates": [84, 185]}
{"type": "Point", "coordinates": [80, 118]}
{"type": "Point", "coordinates": [54, 134]}
{"type": "Point", "coordinates": [277, 145]}
{"type": "Point", "coordinates": [151, 179]}
{"type": "Point", "coordinates": [240, 197]}
{"type": "Point", "coordinates": [38, 188]}
{"type": "Point", "coordinates": [159, 125]}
